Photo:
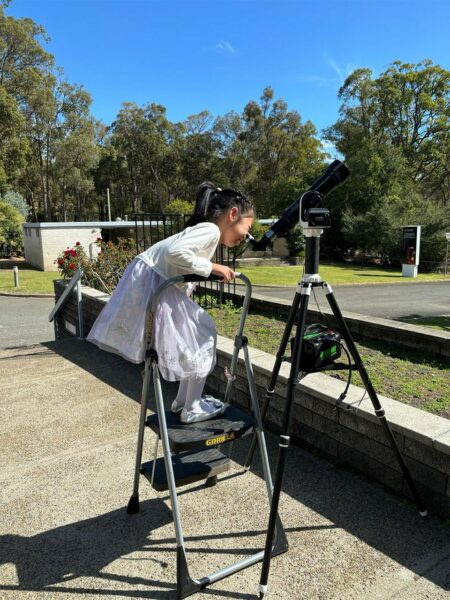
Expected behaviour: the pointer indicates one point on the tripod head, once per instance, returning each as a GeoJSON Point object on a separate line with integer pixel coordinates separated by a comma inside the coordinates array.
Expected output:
{"type": "Point", "coordinates": [307, 209]}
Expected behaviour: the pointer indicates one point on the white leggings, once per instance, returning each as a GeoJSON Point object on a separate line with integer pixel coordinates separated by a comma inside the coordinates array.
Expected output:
{"type": "Point", "coordinates": [190, 392]}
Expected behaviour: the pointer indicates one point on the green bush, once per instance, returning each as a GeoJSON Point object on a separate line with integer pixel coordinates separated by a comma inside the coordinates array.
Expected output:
{"type": "Point", "coordinates": [295, 241]}
{"type": "Point", "coordinates": [17, 201]}
{"type": "Point", "coordinates": [179, 207]}
{"type": "Point", "coordinates": [11, 241]}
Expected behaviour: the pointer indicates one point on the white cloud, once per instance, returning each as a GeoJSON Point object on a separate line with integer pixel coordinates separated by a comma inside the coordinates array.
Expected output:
{"type": "Point", "coordinates": [341, 72]}
{"type": "Point", "coordinates": [330, 149]}
{"type": "Point", "coordinates": [225, 46]}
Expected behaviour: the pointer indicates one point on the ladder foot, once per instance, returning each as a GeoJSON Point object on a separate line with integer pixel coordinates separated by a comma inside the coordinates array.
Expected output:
{"type": "Point", "coordinates": [133, 505]}
{"type": "Point", "coordinates": [211, 481]}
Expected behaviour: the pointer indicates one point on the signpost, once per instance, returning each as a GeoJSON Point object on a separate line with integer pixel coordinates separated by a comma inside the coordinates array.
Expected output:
{"type": "Point", "coordinates": [447, 235]}
{"type": "Point", "coordinates": [410, 250]}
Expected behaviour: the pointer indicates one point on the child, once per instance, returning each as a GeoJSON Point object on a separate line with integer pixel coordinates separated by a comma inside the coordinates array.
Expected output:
{"type": "Point", "coordinates": [184, 334]}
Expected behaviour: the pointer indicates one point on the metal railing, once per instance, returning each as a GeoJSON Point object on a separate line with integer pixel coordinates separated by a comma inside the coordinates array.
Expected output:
{"type": "Point", "coordinates": [150, 228]}
{"type": "Point", "coordinates": [53, 316]}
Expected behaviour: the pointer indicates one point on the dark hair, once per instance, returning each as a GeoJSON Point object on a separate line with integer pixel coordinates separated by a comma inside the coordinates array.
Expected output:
{"type": "Point", "coordinates": [211, 202]}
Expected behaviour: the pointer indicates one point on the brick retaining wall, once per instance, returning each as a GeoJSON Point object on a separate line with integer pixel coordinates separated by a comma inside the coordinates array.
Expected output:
{"type": "Point", "coordinates": [346, 432]}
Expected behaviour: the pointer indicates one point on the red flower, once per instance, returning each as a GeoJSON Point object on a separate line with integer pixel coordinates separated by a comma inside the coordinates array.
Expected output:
{"type": "Point", "coordinates": [72, 266]}
{"type": "Point", "coordinates": [66, 252]}
{"type": "Point", "coordinates": [60, 261]}
{"type": "Point", "coordinates": [73, 253]}
{"type": "Point", "coordinates": [77, 244]}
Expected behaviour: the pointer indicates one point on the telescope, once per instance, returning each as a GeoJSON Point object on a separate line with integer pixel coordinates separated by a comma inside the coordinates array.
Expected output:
{"type": "Point", "coordinates": [307, 209]}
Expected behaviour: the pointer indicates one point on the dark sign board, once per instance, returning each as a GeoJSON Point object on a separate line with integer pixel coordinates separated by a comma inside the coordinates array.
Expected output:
{"type": "Point", "coordinates": [411, 245]}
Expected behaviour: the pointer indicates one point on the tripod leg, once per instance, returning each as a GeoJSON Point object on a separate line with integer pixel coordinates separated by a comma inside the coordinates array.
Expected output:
{"type": "Point", "coordinates": [275, 372]}
{"type": "Point", "coordinates": [284, 438]}
{"type": "Point", "coordinates": [133, 504]}
{"type": "Point", "coordinates": [379, 411]}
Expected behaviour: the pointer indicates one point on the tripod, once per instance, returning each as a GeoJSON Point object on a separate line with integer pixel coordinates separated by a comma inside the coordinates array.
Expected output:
{"type": "Point", "coordinates": [310, 280]}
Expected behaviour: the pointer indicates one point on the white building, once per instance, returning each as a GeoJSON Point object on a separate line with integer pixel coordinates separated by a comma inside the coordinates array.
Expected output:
{"type": "Point", "coordinates": [44, 242]}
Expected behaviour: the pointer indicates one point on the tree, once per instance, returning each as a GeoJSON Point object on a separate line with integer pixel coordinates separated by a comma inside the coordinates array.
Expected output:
{"type": "Point", "coordinates": [57, 117]}
{"type": "Point", "coordinates": [394, 132]}
{"type": "Point", "coordinates": [10, 230]}
{"type": "Point", "coordinates": [14, 147]}
{"type": "Point", "coordinates": [282, 149]}
{"type": "Point", "coordinates": [141, 137]}
{"type": "Point", "coordinates": [198, 154]}
{"type": "Point", "coordinates": [22, 58]}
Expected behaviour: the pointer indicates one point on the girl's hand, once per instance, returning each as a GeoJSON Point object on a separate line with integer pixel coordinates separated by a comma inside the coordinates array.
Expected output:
{"type": "Point", "coordinates": [224, 272]}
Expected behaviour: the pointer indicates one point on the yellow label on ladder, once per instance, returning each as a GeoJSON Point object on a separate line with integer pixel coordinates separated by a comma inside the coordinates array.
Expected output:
{"type": "Point", "coordinates": [220, 439]}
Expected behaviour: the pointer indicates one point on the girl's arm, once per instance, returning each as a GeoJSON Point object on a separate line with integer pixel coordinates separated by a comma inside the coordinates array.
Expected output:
{"type": "Point", "coordinates": [224, 272]}
{"type": "Point", "coordinates": [185, 253]}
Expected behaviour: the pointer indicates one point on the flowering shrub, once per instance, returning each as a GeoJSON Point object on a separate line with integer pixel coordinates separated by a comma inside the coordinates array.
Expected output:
{"type": "Point", "coordinates": [69, 260]}
{"type": "Point", "coordinates": [102, 273]}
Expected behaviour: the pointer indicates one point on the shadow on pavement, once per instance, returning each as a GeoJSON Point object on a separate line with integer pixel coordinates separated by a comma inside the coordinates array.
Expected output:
{"type": "Point", "coordinates": [351, 502]}
{"type": "Point", "coordinates": [123, 376]}
{"type": "Point", "coordinates": [84, 549]}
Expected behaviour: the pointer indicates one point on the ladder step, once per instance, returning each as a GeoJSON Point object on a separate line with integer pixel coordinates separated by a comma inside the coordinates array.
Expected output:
{"type": "Point", "coordinates": [231, 425]}
{"type": "Point", "coordinates": [188, 467]}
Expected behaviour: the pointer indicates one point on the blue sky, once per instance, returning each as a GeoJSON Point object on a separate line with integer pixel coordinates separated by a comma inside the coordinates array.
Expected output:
{"type": "Point", "coordinates": [192, 55]}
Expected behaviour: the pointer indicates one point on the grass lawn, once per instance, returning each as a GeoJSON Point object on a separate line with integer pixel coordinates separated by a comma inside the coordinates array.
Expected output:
{"type": "Point", "coordinates": [38, 282]}
{"type": "Point", "coordinates": [442, 323]}
{"type": "Point", "coordinates": [31, 281]}
{"type": "Point", "coordinates": [416, 378]}
{"type": "Point", "coordinates": [335, 274]}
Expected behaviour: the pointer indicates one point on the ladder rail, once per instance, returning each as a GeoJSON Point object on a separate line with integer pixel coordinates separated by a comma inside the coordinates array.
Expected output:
{"type": "Point", "coordinates": [185, 584]}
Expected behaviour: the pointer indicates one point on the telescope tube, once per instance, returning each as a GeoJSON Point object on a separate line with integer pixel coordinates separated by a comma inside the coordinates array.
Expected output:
{"type": "Point", "coordinates": [335, 174]}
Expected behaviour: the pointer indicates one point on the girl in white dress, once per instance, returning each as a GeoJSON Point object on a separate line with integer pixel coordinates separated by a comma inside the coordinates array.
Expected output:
{"type": "Point", "coordinates": [184, 334]}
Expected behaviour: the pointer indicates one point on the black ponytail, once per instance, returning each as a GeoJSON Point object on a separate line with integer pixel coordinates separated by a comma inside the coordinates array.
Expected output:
{"type": "Point", "coordinates": [211, 202]}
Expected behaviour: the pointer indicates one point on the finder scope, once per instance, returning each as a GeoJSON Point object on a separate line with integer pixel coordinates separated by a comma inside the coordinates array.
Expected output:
{"type": "Point", "coordinates": [335, 174]}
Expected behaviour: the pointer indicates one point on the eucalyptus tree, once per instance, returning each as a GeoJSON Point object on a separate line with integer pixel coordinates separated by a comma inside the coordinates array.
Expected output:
{"type": "Point", "coordinates": [233, 150]}
{"type": "Point", "coordinates": [285, 153]}
{"type": "Point", "coordinates": [394, 132]}
{"type": "Point", "coordinates": [142, 137]}
{"type": "Point", "coordinates": [22, 57]}
{"type": "Point", "coordinates": [76, 157]}
{"type": "Point", "coordinates": [56, 112]}
{"type": "Point", "coordinates": [14, 147]}
{"type": "Point", "coordinates": [198, 154]}
{"type": "Point", "coordinates": [23, 64]}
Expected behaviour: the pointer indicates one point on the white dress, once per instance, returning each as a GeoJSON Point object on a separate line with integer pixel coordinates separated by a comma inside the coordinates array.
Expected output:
{"type": "Point", "coordinates": [184, 334]}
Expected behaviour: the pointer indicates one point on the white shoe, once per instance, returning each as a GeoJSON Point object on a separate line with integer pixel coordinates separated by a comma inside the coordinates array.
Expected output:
{"type": "Point", "coordinates": [188, 416]}
{"type": "Point", "coordinates": [211, 400]}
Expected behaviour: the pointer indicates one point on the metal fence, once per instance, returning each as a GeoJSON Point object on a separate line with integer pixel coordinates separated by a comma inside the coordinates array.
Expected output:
{"type": "Point", "coordinates": [150, 228]}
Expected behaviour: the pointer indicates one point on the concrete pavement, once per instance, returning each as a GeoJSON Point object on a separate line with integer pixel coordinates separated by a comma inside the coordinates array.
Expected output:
{"type": "Point", "coordinates": [68, 418]}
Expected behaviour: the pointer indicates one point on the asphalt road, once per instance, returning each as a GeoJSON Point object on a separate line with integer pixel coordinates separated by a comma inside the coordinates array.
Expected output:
{"type": "Point", "coordinates": [380, 300]}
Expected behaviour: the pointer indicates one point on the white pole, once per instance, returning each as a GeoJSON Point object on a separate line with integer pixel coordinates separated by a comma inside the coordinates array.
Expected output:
{"type": "Point", "coordinates": [109, 204]}
{"type": "Point", "coordinates": [16, 276]}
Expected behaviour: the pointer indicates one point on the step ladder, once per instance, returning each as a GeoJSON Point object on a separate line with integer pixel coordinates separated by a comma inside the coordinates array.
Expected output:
{"type": "Point", "coordinates": [193, 452]}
